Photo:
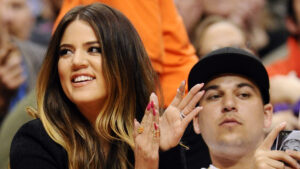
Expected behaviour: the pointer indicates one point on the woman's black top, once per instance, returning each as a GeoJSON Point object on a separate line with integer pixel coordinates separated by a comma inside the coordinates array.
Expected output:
{"type": "Point", "coordinates": [32, 148]}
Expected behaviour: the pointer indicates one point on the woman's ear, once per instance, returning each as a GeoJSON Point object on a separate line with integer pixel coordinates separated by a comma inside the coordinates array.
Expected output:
{"type": "Point", "coordinates": [196, 125]}
{"type": "Point", "coordinates": [268, 114]}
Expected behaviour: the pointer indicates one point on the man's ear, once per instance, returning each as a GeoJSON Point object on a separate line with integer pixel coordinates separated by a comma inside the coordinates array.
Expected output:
{"type": "Point", "coordinates": [291, 26]}
{"type": "Point", "coordinates": [268, 114]}
{"type": "Point", "coordinates": [196, 125]}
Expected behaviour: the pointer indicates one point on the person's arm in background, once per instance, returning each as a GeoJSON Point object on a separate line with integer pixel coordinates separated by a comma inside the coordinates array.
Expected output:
{"type": "Point", "coordinates": [190, 11]}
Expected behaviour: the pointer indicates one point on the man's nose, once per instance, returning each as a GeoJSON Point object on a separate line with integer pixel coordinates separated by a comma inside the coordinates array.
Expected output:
{"type": "Point", "coordinates": [229, 103]}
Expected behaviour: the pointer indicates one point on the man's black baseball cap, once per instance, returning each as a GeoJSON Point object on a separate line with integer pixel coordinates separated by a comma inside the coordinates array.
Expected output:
{"type": "Point", "coordinates": [231, 60]}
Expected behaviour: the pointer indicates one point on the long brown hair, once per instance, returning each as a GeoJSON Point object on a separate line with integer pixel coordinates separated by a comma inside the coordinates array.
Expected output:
{"type": "Point", "coordinates": [129, 78]}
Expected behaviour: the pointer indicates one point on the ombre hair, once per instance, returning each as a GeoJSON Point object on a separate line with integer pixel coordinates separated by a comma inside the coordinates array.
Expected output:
{"type": "Point", "coordinates": [129, 78]}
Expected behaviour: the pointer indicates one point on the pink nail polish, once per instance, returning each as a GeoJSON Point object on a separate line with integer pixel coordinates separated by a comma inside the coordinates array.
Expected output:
{"type": "Point", "coordinates": [155, 126]}
{"type": "Point", "coordinates": [154, 112]}
{"type": "Point", "coordinates": [148, 106]}
{"type": "Point", "coordinates": [152, 104]}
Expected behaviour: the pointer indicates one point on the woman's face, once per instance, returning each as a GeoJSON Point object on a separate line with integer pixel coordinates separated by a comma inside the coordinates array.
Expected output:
{"type": "Point", "coordinates": [80, 68]}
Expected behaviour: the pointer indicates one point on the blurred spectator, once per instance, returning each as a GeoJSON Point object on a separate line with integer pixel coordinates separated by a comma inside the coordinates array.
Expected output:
{"type": "Point", "coordinates": [19, 59]}
{"type": "Point", "coordinates": [216, 32]}
{"type": "Point", "coordinates": [18, 17]}
{"type": "Point", "coordinates": [31, 19]}
{"type": "Point", "coordinates": [284, 74]}
{"type": "Point", "coordinates": [45, 19]}
{"type": "Point", "coordinates": [247, 14]}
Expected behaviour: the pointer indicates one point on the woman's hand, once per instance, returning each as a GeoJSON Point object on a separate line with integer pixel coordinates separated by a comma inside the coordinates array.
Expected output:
{"type": "Point", "coordinates": [178, 114]}
{"type": "Point", "coordinates": [146, 136]}
{"type": "Point", "coordinates": [266, 158]}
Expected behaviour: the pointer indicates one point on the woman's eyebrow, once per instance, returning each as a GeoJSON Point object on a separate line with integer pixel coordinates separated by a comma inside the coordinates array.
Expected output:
{"type": "Point", "coordinates": [92, 42]}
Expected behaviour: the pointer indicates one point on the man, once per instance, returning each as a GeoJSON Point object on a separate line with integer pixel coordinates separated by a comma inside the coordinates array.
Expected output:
{"type": "Point", "coordinates": [236, 110]}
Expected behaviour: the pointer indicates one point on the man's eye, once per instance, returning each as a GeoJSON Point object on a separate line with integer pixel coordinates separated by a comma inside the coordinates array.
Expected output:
{"type": "Point", "coordinates": [244, 95]}
{"type": "Point", "coordinates": [213, 97]}
{"type": "Point", "coordinates": [63, 52]}
{"type": "Point", "coordinates": [94, 50]}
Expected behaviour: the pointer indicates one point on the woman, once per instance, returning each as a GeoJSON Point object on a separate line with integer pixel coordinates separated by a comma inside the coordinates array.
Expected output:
{"type": "Point", "coordinates": [95, 80]}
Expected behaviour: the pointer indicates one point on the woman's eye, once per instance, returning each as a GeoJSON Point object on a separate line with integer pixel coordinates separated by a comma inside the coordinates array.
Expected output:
{"type": "Point", "coordinates": [94, 50]}
{"type": "Point", "coordinates": [63, 52]}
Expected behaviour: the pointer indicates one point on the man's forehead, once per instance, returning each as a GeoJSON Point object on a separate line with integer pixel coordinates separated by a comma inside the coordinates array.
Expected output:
{"type": "Point", "coordinates": [229, 79]}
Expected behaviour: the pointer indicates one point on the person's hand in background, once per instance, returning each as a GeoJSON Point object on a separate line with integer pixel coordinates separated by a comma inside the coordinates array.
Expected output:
{"type": "Point", "coordinates": [285, 89]}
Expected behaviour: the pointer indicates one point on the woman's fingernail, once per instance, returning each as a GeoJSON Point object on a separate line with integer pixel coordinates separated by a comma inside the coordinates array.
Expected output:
{"type": "Point", "coordinates": [152, 104]}
{"type": "Point", "coordinates": [148, 107]}
{"type": "Point", "coordinates": [155, 126]}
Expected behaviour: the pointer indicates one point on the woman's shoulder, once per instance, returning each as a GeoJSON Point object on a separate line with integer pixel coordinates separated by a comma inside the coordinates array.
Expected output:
{"type": "Point", "coordinates": [32, 147]}
{"type": "Point", "coordinates": [35, 131]}
{"type": "Point", "coordinates": [35, 124]}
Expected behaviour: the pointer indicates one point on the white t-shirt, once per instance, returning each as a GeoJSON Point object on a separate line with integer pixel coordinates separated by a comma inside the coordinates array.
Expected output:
{"type": "Point", "coordinates": [210, 167]}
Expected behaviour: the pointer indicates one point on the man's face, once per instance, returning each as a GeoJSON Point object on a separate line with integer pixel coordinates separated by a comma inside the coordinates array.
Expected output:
{"type": "Point", "coordinates": [18, 17]}
{"type": "Point", "coordinates": [233, 115]}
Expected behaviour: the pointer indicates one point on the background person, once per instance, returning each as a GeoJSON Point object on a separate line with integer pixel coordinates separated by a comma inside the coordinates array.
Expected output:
{"type": "Point", "coordinates": [216, 32]}
{"type": "Point", "coordinates": [19, 59]}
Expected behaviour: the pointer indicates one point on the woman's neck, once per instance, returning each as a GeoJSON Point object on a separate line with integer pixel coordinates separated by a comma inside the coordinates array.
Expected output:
{"type": "Point", "coordinates": [245, 161]}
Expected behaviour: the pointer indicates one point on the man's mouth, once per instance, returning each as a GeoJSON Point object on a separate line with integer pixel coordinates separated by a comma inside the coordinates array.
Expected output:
{"type": "Point", "coordinates": [230, 122]}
